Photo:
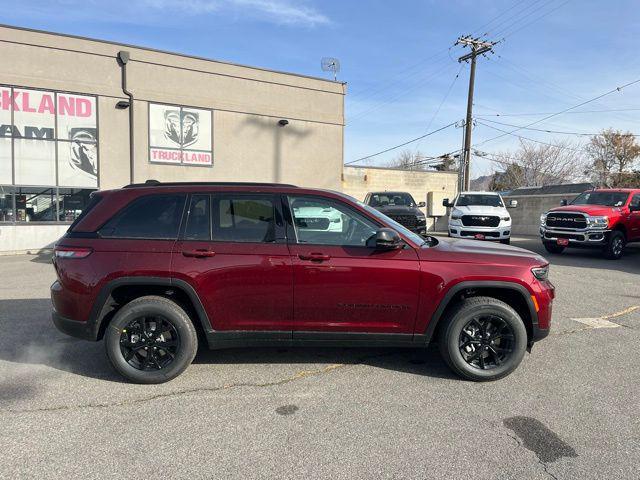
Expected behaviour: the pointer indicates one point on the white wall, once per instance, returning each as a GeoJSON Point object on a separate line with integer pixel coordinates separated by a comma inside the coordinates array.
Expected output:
{"type": "Point", "coordinates": [29, 238]}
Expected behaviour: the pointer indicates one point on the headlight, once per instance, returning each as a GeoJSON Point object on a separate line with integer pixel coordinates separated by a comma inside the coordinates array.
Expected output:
{"type": "Point", "coordinates": [421, 220]}
{"type": "Point", "coordinates": [505, 219]}
{"type": "Point", "coordinates": [543, 219]}
{"type": "Point", "coordinates": [456, 217]}
{"type": "Point", "coordinates": [541, 273]}
{"type": "Point", "coordinates": [598, 222]}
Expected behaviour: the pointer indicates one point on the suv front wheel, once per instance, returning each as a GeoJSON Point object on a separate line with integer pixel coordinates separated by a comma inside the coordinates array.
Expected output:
{"type": "Point", "coordinates": [484, 339]}
{"type": "Point", "coordinates": [151, 340]}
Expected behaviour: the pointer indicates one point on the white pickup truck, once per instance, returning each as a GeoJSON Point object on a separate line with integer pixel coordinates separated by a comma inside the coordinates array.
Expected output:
{"type": "Point", "coordinates": [480, 215]}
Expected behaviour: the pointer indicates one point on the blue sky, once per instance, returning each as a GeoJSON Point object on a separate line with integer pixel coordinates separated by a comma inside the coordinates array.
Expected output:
{"type": "Point", "coordinates": [397, 60]}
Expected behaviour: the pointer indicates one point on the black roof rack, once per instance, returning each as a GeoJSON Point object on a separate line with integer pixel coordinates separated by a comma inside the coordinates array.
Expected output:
{"type": "Point", "coordinates": [156, 183]}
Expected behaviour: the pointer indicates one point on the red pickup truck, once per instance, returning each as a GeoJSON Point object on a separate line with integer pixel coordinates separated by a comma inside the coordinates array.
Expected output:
{"type": "Point", "coordinates": [604, 218]}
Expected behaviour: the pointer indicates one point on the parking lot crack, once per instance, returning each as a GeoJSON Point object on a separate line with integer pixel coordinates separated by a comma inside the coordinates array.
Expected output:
{"type": "Point", "coordinates": [198, 390]}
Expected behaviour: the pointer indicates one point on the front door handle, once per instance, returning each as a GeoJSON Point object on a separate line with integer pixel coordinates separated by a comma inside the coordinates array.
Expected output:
{"type": "Point", "coordinates": [314, 257]}
{"type": "Point", "coordinates": [198, 253]}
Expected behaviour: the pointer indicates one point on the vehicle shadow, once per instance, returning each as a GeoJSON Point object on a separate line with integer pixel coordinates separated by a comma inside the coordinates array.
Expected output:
{"type": "Point", "coordinates": [30, 338]}
{"type": "Point", "coordinates": [583, 257]}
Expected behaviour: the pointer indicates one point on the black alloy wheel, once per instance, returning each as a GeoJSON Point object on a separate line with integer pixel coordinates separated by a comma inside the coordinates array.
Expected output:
{"type": "Point", "coordinates": [149, 343]}
{"type": "Point", "coordinates": [151, 339]}
{"type": "Point", "coordinates": [486, 342]}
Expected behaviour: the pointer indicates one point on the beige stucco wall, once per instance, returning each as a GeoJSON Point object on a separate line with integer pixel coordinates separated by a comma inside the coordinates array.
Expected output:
{"type": "Point", "coordinates": [248, 144]}
{"type": "Point", "coordinates": [526, 217]}
{"type": "Point", "coordinates": [358, 181]}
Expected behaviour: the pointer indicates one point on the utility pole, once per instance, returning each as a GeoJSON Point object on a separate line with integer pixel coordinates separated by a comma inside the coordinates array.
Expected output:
{"type": "Point", "coordinates": [478, 47]}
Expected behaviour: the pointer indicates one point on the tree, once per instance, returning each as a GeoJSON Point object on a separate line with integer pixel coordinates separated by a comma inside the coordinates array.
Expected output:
{"type": "Point", "coordinates": [448, 164]}
{"type": "Point", "coordinates": [613, 155]}
{"type": "Point", "coordinates": [408, 160]}
{"type": "Point", "coordinates": [536, 164]}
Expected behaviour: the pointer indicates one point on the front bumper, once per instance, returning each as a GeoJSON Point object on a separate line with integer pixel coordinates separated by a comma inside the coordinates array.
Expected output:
{"type": "Point", "coordinates": [490, 233]}
{"type": "Point", "coordinates": [583, 237]}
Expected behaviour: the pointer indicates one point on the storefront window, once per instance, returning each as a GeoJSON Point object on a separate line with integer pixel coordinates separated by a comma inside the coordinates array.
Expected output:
{"type": "Point", "coordinates": [42, 204]}
{"type": "Point", "coordinates": [48, 154]}
{"type": "Point", "coordinates": [6, 204]}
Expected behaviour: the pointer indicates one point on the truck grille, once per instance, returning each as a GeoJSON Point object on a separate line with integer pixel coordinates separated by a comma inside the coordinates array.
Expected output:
{"type": "Point", "coordinates": [480, 221]}
{"type": "Point", "coordinates": [409, 221]}
{"type": "Point", "coordinates": [566, 220]}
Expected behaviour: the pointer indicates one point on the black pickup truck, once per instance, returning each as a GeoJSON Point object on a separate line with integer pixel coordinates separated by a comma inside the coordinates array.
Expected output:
{"type": "Point", "coordinates": [401, 207]}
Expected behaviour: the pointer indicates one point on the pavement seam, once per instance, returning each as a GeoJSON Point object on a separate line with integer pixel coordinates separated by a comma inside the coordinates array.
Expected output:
{"type": "Point", "coordinates": [298, 376]}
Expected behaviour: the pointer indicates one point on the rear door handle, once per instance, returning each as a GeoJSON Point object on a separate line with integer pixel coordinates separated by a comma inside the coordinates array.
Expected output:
{"type": "Point", "coordinates": [199, 253]}
{"type": "Point", "coordinates": [314, 257]}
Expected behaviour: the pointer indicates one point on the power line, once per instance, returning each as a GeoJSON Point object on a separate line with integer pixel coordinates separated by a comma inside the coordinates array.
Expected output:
{"type": "Point", "coordinates": [534, 114]}
{"type": "Point", "coordinates": [509, 33]}
{"type": "Point", "coordinates": [617, 89]}
{"type": "Point", "coordinates": [579, 134]}
{"type": "Point", "coordinates": [527, 138]}
{"type": "Point", "coordinates": [401, 93]}
{"type": "Point", "coordinates": [444, 99]}
{"type": "Point", "coordinates": [479, 29]}
{"type": "Point", "coordinates": [401, 145]}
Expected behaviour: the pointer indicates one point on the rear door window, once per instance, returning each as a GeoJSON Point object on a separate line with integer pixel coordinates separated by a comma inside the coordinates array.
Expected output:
{"type": "Point", "coordinates": [150, 217]}
{"type": "Point", "coordinates": [198, 225]}
{"type": "Point", "coordinates": [244, 218]}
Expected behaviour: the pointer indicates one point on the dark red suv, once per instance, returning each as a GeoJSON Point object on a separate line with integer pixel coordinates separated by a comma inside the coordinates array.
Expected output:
{"type": "Point", "coordinates": [155, 267]}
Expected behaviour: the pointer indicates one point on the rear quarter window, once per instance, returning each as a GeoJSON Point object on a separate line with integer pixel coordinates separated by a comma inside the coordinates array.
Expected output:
{"type": "Point", "coordinates": [150, 217]}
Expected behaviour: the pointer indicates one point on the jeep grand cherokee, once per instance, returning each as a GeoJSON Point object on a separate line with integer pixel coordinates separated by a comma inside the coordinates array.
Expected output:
{"type": "Point", "coordinates": [152, 268]}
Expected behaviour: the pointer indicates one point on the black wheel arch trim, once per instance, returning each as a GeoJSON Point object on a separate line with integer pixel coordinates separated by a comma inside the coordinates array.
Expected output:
{"type": "Point", "coordinates": [470, 285]}
{"type": "Point", "coordinates": [101, 305]}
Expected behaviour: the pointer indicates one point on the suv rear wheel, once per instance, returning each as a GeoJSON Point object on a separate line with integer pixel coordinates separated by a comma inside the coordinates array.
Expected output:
{"type": "Point", "coordinates": [151, 340]}
{"type": "Point", "coordinates": [615, 245]}
{"type": "Point", "coordinates": [484, 339]}
{"type": "Point", "coordinates": [553, 247]}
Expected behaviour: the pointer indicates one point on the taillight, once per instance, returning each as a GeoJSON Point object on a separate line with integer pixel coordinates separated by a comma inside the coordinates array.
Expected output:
{"type": "Point", "coordinates": [72, 252]}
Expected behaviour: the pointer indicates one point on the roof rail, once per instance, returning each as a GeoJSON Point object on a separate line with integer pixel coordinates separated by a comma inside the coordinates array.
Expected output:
{"type": "Point", "coordinates": [157, 183]}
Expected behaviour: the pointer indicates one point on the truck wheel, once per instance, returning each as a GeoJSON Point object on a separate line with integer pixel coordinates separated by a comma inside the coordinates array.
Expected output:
{"type": "Point", "coordinates": [483, 339]}
{"type": "Point", "coordinates": [151, 340]}
{"type": "Point", "coordinates": [615, 245]}
{"type": "Point", "coordinates": [553, 247]}
{"type": "Point", "coordinates": [505, 241]}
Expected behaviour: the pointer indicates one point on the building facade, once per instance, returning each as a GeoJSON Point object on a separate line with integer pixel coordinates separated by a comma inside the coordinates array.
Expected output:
{"type": "Point", "coordinates": [78, 115]}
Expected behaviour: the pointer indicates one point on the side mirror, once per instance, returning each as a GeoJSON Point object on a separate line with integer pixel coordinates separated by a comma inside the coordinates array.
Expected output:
{"type": "Point", "coordinates": [385, 239]}
{"type": "Point", "coordinates": [422, 204]}
{"type": "Point", "coordinates": [513, 204]}
{"type": "Point", "coordinates": [446, 203]}
{"type": "Point", "coordinates": [563, 202]}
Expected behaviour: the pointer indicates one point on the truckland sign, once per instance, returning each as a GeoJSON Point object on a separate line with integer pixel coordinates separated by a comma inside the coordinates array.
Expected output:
{"type": "Point", "coordinates": [48, 138]}
{"type": "Point", "coordinates": [180, 135]}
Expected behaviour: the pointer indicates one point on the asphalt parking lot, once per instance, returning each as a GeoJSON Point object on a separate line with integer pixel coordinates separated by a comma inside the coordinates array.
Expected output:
{"type": "Point", "coordinates": [569, 411]}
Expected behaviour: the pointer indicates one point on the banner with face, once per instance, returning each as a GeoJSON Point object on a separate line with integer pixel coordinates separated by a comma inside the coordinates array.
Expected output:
{"type": "Point", "coordinates": [38, 128]}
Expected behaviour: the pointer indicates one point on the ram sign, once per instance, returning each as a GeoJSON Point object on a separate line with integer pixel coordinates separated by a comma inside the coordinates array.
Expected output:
{"type": "Point", "coordinates": [180, 135]}
{"type": "Point", "coordinates": [48, 138]}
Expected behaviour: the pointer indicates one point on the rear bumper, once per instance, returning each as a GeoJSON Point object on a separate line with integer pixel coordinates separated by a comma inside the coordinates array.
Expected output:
{"type": "Point", "coordinates": [73, 328]}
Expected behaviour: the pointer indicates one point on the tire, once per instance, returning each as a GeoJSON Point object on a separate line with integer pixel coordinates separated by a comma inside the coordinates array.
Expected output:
{"type": "Point", "coordinates": [170, 352]}
{"type": "Point", "coordinates": [553, 247]}
{"type": "Point", "coordinates": [615, 245]}
{"type": "Point", "coordinates": [503, 354]}
{"type": "Point", "coordinates": [505, 241]}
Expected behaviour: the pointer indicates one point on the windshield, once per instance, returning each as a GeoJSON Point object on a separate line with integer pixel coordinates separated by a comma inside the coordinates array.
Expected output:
{"type": "Point", "coordinates": [391, 199]}
{"type": "Point", "coordinates": [467, 200]}
{"type": "Point", "coordinates": [414, 237]}
{"type": "Point", "coordinates": [609, 199]}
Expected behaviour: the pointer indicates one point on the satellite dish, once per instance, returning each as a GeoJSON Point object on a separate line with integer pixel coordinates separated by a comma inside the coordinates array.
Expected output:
{"type": "Point", "coordinates": [330, 64]}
